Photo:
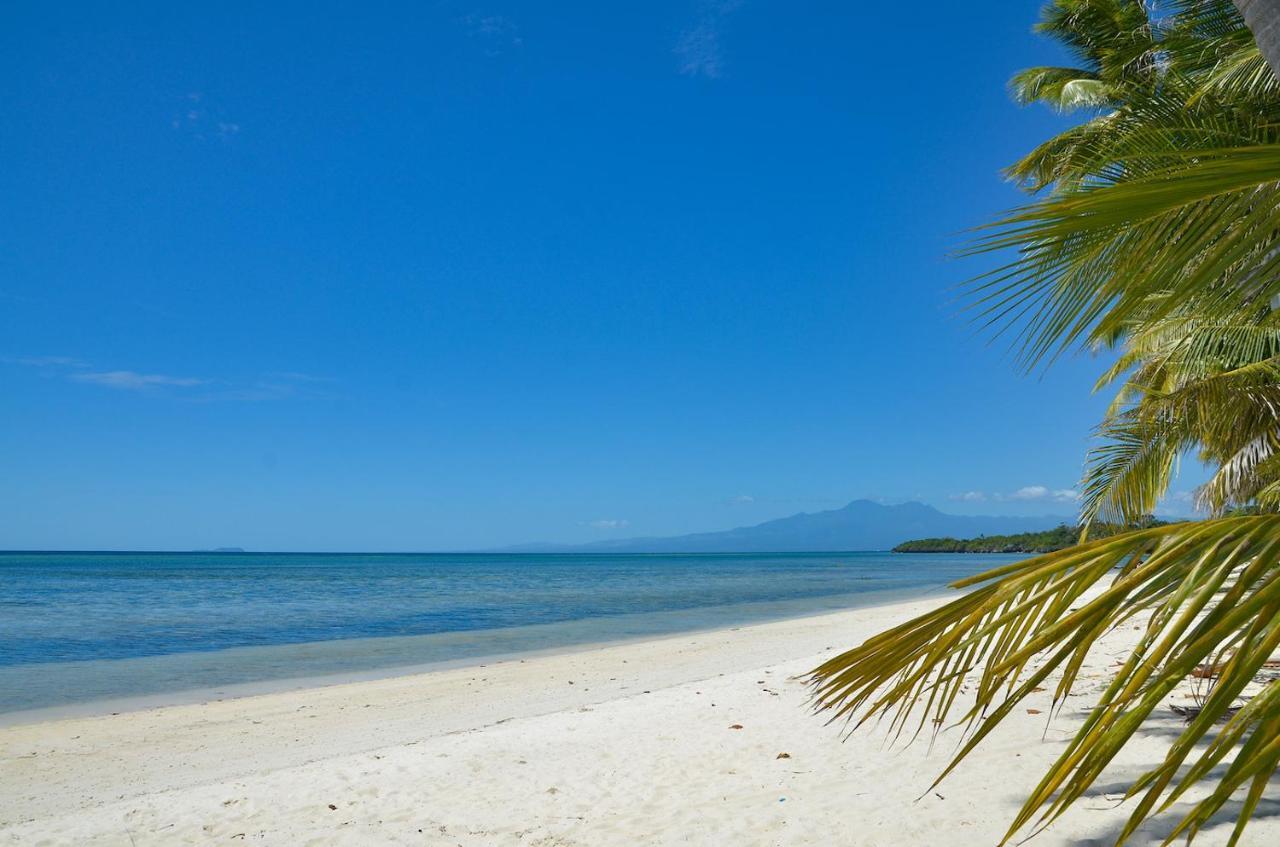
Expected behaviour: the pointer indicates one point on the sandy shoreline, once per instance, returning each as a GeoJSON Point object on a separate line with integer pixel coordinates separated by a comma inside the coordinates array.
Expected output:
{"type": "Point", "coordinates": [623, 744]}
{"type": "Point", "coordinates": [295, 664]}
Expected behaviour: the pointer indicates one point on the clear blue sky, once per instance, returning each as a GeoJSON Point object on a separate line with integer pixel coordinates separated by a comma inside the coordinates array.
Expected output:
{"type": "Point", "coordinates": [418, 276]}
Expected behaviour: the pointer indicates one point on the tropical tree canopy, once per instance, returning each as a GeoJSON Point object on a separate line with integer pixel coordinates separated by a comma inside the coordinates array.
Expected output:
{"type": "Point", "coordinates": [1153, 232]}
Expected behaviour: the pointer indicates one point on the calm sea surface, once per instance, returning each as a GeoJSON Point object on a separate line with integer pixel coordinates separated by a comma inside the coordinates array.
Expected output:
{"type": "Point", "coordinates": [78, 628]}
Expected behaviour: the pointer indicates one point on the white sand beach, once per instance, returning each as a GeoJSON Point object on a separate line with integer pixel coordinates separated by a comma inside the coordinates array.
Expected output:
{"type": "Point", "coordinates": [696, 739]}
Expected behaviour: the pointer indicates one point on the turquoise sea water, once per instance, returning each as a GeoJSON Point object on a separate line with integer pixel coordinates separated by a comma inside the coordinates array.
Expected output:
{"type": "Point", "coordinates": [78, 628]}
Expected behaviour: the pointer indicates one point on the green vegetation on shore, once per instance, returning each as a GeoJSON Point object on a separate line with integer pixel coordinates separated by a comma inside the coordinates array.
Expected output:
{"type": "Point", "coordinates": [1058, 538]}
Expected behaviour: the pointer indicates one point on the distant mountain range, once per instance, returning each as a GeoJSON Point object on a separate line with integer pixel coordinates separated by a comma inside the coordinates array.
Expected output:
{"type": "Point", "coordinates": [861, 525]}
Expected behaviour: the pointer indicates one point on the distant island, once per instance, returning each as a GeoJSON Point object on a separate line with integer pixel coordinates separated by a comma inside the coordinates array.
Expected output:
{"type": "Point", "coordinates": [1058, 538]}
{"type": "Point", "coordinates": [859, 525]}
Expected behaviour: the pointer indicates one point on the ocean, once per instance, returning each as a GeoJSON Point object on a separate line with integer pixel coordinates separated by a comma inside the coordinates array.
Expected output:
{"type": "Point", "coordinates": [81, 632]}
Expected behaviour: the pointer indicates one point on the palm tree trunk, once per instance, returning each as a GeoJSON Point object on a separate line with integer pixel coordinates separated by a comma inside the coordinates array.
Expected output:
{"type": "Point", "coordinates": [1263, 19]}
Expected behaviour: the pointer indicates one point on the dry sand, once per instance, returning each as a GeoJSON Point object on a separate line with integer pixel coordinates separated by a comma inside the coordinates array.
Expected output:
{"type": "Point", "coordinates": [631, 744]}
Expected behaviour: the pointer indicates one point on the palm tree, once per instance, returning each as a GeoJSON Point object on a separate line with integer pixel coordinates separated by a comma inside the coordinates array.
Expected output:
{"type": "Point", "coordinates": [1154, 233]}
{"type": "Point", "coordinates": [1262, 17]}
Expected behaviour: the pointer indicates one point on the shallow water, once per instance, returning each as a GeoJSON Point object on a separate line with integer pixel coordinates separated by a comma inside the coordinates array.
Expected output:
{"type": "Point", "coordinates": [85, 627]}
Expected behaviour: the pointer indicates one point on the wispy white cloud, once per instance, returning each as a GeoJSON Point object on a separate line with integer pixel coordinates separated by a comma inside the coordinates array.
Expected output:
{"type": "Point", "coordinates": [740, 500]}
{"type": "Point", "coordinates": [134, 381]}
{"type": "Point", "coordinates": [272, 385]}
{"type": "Point", "coordinates": [1028, 493]}
{"type": "Point", "coordinates": [44, 361]}
{"type": "Point", "coordinates": [699, 47]}
{"type": "Point", "coordinates": [78, 370]}
{"type": "Point", "coordinates": [1178, 504]}
{"type": "Point", "coordinates": [607, 523]}
{"type": "Point", "coordinates": [201, 120]}
{"type": "Point", "coordinates": [296, 376]}
{"type": "Point", "coordinates": [496, 34]}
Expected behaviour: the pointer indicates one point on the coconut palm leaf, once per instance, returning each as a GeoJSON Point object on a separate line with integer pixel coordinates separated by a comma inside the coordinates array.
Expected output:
{"type": "Point", "coordinates": [1089, 263]}
{"type": "Point", "coordinates": [1242, 74]}
{"type": "Point", "coordinates": [1187, 400]}
{"type": "Point", "coordinates": [1156, 233]}
{"type": "Point", "coordinates": [1063, 89]}
{"type": "Point", "coordinates": [1206, 593]}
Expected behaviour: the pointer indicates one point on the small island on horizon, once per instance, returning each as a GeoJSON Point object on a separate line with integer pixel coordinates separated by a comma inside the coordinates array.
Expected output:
{"type": "Point", "coordinates": [1060, 537]}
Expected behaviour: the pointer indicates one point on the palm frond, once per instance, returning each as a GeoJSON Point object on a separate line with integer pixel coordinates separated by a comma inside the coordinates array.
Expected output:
{"type": "Point", "coordinates": [1203, 592]}
{"type": "Point", "coordinates": [1063, 89]}
{"type": "Point", "coordinates": [1089, 262]}
{"type": "Point", "coordinates": [1127, 475]}
{"type": "Point", "coordinates": [1156, 233]}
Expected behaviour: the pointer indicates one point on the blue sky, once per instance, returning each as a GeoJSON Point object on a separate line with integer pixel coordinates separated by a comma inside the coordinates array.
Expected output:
{"type": "Point", "coordinates": [419, 276]}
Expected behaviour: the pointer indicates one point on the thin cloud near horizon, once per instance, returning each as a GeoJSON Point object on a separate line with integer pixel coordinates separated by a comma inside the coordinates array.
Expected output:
{"type": "Point", "coordinates": [1174, 503]}
{"type": "Point", "coordinates": [607, 523]}
{"type": "Point", "coordinates": [1028, 493]}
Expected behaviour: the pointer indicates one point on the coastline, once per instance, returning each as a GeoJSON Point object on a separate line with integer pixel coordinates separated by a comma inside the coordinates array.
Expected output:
{"type": "Point", "coordinates": [617, 744]}
{"type": "Point", "coordinates": [196, 677]}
